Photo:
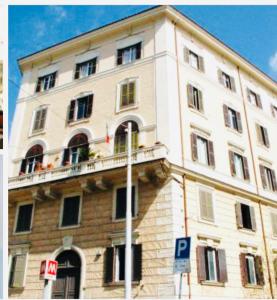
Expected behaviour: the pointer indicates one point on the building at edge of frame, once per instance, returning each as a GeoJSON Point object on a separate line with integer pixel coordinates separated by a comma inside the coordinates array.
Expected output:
{"type": "Point", "coordinates": [204, 159]}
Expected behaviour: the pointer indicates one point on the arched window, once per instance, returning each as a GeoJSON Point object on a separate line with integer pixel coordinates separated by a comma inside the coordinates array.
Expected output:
{"type": "Point", "coordinates": [33, 158]}
{"type": "Point", "coordinates": [121, 140]}
{"type": "Point", "coordinates": [77, 151]}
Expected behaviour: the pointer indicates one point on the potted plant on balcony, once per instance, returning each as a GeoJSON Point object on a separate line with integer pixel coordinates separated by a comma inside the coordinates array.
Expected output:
{"type": "Point", "coordinates": [92, 154]}
{"type": "Point", "coordinates": [50, 166]}
{"type": "Point", "coordinates": [84, 154]}
{"type": "Point", "coordinates": [38, 167]}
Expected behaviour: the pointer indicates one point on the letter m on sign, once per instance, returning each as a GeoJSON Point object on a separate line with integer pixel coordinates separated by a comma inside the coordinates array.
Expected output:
{"type": "Point", "coordinates": [52, 267]}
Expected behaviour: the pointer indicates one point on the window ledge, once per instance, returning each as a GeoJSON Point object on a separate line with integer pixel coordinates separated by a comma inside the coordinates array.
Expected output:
{"type": "Point", "coordinates": [247, 231]}
{"type": "Point", "coordinates": [207, 222]}
{"type": "Point", "coordinates": [129, 107]}
{"type": "Point", "coordinates": [84, 78]}
{"type": "Point", "coordinates": [213, 283]}
{"type": "Point", "coordinates": [263, 146]}
{"type": "Point", "coordinates": [253, 286]}
{"type": "Point", "coordinates": [234, 131]}
{"type": "Point", "coordinates": [197, 112]}
{"type": "Point", "coordinates": [22, 232]}
{"type": "Point", "coordinates": [76, 122]}
{"type": "Point", "coordinates": [121, 283]}
{"type": "Point", "coordinates": [36, 133]}
{"type": "Point", "coordinates": [68, 227]}
{"type": "Point", "coordinates": [124, 219]}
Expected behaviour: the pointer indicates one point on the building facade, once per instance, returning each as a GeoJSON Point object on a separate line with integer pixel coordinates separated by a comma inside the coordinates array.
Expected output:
{"type": "Point", "coordinates": [203, 123]}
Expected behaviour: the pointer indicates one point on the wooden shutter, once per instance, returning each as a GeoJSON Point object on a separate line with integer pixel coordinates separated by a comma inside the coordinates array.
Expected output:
{"type": "Point", "coordinates": [38, 87]}
{"type": "Point", "coordinates": [220, 77]}
{"type": "Point", "coordinates": [200, 98]}
{"type": "Point", "coordinates": [89, 106]}
{"type": "Point", "coordinates": [233, 86]}
{"type": "Point", "coordinates": [201, 63]}
{"type": "Point", "coordinates": [43, 118]}
{"type": "Point", "coordinates": [248, 94]}
{"type": "Point", "coordinates": [274, 180]}
{"type": "Point", "coordinates": [23, 165]}
{"type": "Point", "coordinates": [263, 176]}
{"type": "Point", "coordinates": [259, 101]}
{"type": "Point", "coordinates": [92, 66]}
{"type": "Point", "coordinates": [253, 218]}
{"type": "Point", "coordinates": [222, 266]}
{"type": "Point", "coordinates": [226, 115]}
{"type": "Point", "coordinates": [232, 163]}
{"type": "Point", "coordinates": [119, 56]}
{"type": "Point", "coordinates": [201, 263]}
{"type": "Point", "coordinates": [77, 71]}
{"type": "Point", "coordinates": [243, 269]}
{"type": "Point", "coordinates": [193, 138]}
{"type": "Point", "coordinates": [186, 55]}
{"type": "Point", "coordinates": [245, 168]}
{"type": "Point", "coordinates": [131, 92]}
{"type": "Point", "coordinates": [37, 119]}
{"type": "Point", "coordinates": [211, 153]}
{"type": "Point", "coordinates": [259, 133]}
{"type": "Point", "coordinates": [66, 154]}
{"type": "Point", "coordinates": [239, 122]}
{"type": "Point", "coordinates": [273, 111]}
{"type": "Point", "coordinates": [190, 95]}
{"type": "Point", "coordinates": [124, 94]}
{"type": "Point", "coordinates": [137, 262]}
{"type": "Point", "coordinates": [206, 205]}
{"type": "Point", "coordinates": [266, 139]}
{"type": "Point", "coordinates": [275, 268]}
{"type": "Point", "coordinates": [109, 264]}
{"type": "Point", "coordinates": [71, 110]}
{"type": "Point", "coordinates": [19, 271]}
{"type": "Point", "coordinates": [138, 51]}
{"type": "Point", "coordinates": [259, 270]}
{"type": "Point", "coordinates": [238, 215]}
{"type": "Point", "coordinates": [52, 80]}
{"type": "Point", "coordinates": [274, 223]}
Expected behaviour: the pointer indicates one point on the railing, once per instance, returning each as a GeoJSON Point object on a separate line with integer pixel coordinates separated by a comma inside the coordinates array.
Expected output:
{"type": "Point", "coordinates": [90, 166]}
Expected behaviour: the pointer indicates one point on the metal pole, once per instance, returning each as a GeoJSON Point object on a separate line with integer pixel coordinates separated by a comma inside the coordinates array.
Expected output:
{"type": "Point", "coordinates": [46, 290]}
{"type": "Point", "coordinates": [180, 286]}
{"type": "Point", "coordinates": [128, 229]}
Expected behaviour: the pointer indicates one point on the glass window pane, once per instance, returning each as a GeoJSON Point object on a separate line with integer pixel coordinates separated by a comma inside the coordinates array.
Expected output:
{"type": "Point", "coordinates": [202, 150]}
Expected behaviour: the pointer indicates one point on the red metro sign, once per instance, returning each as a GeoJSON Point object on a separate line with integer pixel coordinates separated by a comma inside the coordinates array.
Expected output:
{"type": "Point", "coordinates": [48, 269]}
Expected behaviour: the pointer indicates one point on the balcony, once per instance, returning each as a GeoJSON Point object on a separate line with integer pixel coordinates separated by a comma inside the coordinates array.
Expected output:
{"type": "Point", "coordinates": [91, 166]}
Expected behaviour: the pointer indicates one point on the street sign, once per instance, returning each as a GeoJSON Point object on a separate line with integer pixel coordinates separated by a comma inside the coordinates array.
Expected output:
{"type": "Point", "coordinates": [48, 269]}
{"type": "Point", "coordinates": [182, 256]}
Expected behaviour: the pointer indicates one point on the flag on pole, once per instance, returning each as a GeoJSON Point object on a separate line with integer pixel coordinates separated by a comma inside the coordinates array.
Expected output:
{"type": "Point", "coordinates": [107, 138]}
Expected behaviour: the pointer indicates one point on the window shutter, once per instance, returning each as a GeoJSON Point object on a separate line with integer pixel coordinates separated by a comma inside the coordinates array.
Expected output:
{"type": "Point", "coordinates": [226, 116]}
{"type": "Point", "coordinates": [243, 269]}
{"type": "Point", "coordinates": [138, 51]}
{"type": "Point", "coordinates": [71, 110]}
{"type": "Point", "coordinates": [245, 168]}
{"type": "Point", "coordinates": [201, 63]}
{"type": "Point", "coordinates": [77, 71]}
{"type": "Point", "coordinates": [201, 263]}
{"type": "Point", "coordinates": [233, 86]}
{"type": "Point", "coordinates": [37, 118]}
{"type": "Point", "coordinates": [239, 122]}
{"type": "Point", "coordinates": [92, 66]}
{"type": "Point", "coordinates": [232, 163]}
{"type": "Point", "coordinates": [253, 218]}
{"type": "Point", "coordinates": [259, 101]}
{"type": "Point", "coordinates": [190, 95]}
{"type": "Point", "coordinates": [194, 146]}
{"type": "Point", "coordinates": [52, 80]}
{"type": "Point", "coordinates": [274, 223]}
{"type": "Point", "coordinates": [275, 269]}
{"type": "Point", "coordinates": [38, 87]}
{"type": "Point", "coordinates": [23, 165]}
{"type": "Point", "coordinates": [119, 56]}
{"type": "Point", "coordinates": [211, 153]}
{"type": "Point", "coordinates": [89, 106]}
{"type": "Point", "coordinates": [131, 92]}
{"type": "Point", "coordinates": [267, 144]}
{"type": "Point", "coordinates": [109, 264]}
{"type": "Point", "coordinates": [219, 74]}
{"type": "Point", "coordinates": [273, 111]}
{"type": "Point", "coordinates": [221, 256]}
{"type": "Point", "coordinates": [43, 118]}
{"type": "Point", "coordinates": [206, 205]}
{"type": "Point", "coordinates": [124, 94]}
{"type": "Point", "coordinates": [19, 272]}
{"type": "Point", "coordinates": [238, 215]}
{"type": "Point", "coordinates": [186, 55]}
{"type": "Point", "coordinates": [137, 262]}
{"type": "Point", "coordinates": [259, 270]}
{"type": "Point", "coordinates": [263, 176]}
{"type": "Point", "coordinates": [200, 97]}
{"type": "Point", "coordinates": [259, 133]}
{"type": "Point", "coordinates": [65, 156]}
{"type": "Point", "coordinates": [274, 180]}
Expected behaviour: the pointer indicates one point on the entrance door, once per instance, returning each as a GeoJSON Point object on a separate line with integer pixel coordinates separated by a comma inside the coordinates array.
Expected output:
{"type": "Point", "coordinates": [67, 285]}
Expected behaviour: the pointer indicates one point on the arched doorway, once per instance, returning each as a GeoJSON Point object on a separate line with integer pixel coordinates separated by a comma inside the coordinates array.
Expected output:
{"type": "Point", "coordinates": [67, 284]}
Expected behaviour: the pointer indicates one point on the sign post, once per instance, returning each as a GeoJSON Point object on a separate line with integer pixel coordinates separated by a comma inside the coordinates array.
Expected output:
{"type": "Point", "coordinates": [182, 259]}
{"type": "Point", "coordinates": [48, 271]}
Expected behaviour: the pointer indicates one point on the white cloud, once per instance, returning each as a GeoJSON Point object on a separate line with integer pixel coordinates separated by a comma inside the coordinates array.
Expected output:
{"type": "Point", "coordinates": [40, 28]}
{"type": "Point", "coordinates": [58, 12]}
{"type": "Point", "coordinates": [273, 62]}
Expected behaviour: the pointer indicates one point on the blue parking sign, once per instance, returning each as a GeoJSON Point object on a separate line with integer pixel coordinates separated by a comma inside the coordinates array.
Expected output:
{"type": "Point", "coordinates": [182, 248]}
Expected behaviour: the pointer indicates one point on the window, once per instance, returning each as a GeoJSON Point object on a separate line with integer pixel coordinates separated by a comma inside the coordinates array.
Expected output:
{"type": "Point", "coordinates": [17, 270]}
{"type": "Point", "coordinates": [202, 150]}
{"type": "Point", "coordinates": [32, 161]}
{"type": "Point", "coordinates": [238, 166]}
{"type": "Point", "coordinates": [262, 135]}
{"type": "Point", "coordinates": [128, 54]}
{"type": "Point", "coordinates": [254, 98]}
{"type": "Point", "coordinates": [85, 69]}
{"type": "Point", "coordinates": [195, 60]}
{"type": "Point", "coordinates": [115, 263]}
{"type": "Point", "coordinates": [127, 93]}
{"type": "Point", "coordinates": [77, 151]}
{"type": "Point", "coordinates": [274, 111]}
{"type": "Point", "coordinates": [71, 211]}
{"type": "Point", "coordinates": [268, 178]}
{"type": "Point", "coordinates": [274, 224]}
{"type": "Point", "coordinates": [121, 140]}
{"type": "Point", "coordinates": [226, 80]}
{"type": "Point", "coordinates": [39, 119]}
{"type": "Point", "coordinates": [195, 99]}
{"type": "Point", "coordinates": [120, 203]}
{"type": "Point", "coordinates": [211, 264]}
{"type": "Point", "coordinates": [232, 118]}
{"type": "Point", "coordinates": [251, 269]}
{"type": "Point", "coordinates": [46, 82]}
{"type": "Point", "coordinates": [80, 108]}
{"type": "Point", "coordinates": [245, 215]}
{"type": "Point", "coordinates": [24, 218]}
{"type": "Point", "coordinates": [206, 205]}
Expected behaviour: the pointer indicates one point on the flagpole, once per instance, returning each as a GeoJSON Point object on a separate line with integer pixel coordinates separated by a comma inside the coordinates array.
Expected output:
{"type": "Point", "coordinates": [128, 228]}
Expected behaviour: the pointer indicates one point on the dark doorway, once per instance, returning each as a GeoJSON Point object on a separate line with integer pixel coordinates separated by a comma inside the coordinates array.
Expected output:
{"type": "Point", "coordinates": [67, 285]}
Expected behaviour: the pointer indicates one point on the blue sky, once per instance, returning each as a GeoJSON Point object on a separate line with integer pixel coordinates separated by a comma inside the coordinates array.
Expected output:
{"type": "Point", "coordinates": [249, 30]}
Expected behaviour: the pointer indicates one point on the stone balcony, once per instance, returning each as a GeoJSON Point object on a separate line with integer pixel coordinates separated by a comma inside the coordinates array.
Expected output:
{"type": "Point", "coordinates": [144, 155]}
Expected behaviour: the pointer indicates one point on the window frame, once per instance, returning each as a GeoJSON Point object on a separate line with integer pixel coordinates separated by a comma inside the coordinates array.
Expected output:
{"type": "Point", "coordinates": [80, 195]}
{"type": "Point", "coordinates": [215, 264]}
{"type": "Point", "coordinates": [251, 257]}
{"type": "Point", "coordinates": [136, 211]}
{"type": "Point", "coordinates": [212, 191]}
{"type": "Point", "coordinates": [17, 215]}
{"type": "Point", "coordinates": [226, 79]}
{"type": "Point", "coordinates": [129, 47]}
{"type": "Point", "coordinates": [86, 62]}
{"type": "Point", "coordinates": [118, 96]}
{"type": "Point", "coordinates": [33, 132]}
{"type": "Point", "coordinates": [76, 108]}
{"type": "Point", "coordinates": [41, 80]}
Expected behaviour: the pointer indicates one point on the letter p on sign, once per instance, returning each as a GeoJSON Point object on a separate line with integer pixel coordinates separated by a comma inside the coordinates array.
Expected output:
{"type": "Point", "coordinates": [182, 249]}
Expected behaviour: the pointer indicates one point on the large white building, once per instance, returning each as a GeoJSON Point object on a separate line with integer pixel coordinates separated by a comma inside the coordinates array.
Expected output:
{"type": "Point", "coordinates": [204, 164]}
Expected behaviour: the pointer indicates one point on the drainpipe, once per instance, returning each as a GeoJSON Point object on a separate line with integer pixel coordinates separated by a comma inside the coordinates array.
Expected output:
{"type": "Point", "coordinates": [182, 146]}
{"type": "Point", "coordinates": [256, 182]}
